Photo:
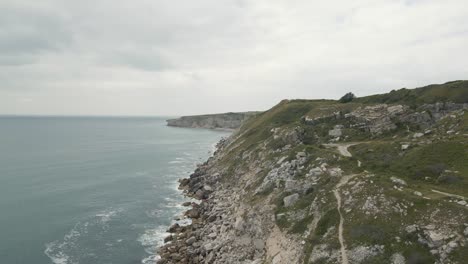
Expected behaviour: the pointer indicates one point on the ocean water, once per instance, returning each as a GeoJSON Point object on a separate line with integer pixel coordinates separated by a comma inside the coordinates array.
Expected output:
{"type": "Point", "coordinates": [92, 190]}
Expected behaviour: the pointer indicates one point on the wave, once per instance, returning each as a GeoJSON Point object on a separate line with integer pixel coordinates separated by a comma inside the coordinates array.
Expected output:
{"type": "Point", "coordinates": [56, 250]}
{"type": "Point", "coordinates": [151, 239]}
{"type": "Point", "coordinates": [106, 216]}
{"type": "Point", "coordinates": [71, 247]}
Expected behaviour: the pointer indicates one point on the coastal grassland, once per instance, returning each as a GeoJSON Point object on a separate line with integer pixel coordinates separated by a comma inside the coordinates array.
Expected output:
{"type": "Point", "coordinates": [442, 165]}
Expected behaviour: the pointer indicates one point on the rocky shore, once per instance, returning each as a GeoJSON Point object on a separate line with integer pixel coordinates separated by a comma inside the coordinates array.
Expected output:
{"type": "Point", "coordinates": [207, 237]}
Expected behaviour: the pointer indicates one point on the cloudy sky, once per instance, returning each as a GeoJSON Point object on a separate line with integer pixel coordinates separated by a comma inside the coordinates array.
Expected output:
{"type": "Point", "coordinates": [175, 57]}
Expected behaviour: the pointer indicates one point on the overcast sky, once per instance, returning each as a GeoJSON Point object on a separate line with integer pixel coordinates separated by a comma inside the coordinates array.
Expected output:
{"type": "Point", "coordinates": [171, 57]}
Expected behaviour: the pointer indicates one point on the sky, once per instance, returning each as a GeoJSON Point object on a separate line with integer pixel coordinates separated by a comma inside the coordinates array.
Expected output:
{"type": "Point", "coordinates": [181, 57]}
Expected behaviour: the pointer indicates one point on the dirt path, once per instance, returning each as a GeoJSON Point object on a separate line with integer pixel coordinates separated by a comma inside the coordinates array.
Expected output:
{"type": "Point", "coordinates": [343, 181]}
{"type": "Point", "coordinates": [450, 195]}
{"type": "Point", "coordinates": [343, 148]}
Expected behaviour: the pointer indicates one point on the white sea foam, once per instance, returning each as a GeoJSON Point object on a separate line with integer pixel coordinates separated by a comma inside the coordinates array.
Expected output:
{"type": "Point", "coordinates": [60, 251]}
{"type": "Point", "coordinates": [154, 213]}
{"type": "Point", "coordinates": [106, 216]}
{"type": "Point", "coordinates": [151, 259]}
{"type": "Point", "coordinates": [153, 238]}
{"type": "Point", "coordinates": [57, 257]}
{"type": "Point", "coordinates": [56, 250]}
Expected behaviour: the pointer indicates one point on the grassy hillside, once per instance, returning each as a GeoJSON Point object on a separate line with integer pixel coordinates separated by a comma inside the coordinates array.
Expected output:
{"type": "Point", "coordinates": [435, 159]}
{"type": "Point", "coordinates": [456, 91]}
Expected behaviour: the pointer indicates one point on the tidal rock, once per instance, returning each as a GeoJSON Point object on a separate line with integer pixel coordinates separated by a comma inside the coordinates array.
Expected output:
{"type": "Point", "coordinates": [193, 213]}
{"type": "Point", "coordinates": [168, 238]}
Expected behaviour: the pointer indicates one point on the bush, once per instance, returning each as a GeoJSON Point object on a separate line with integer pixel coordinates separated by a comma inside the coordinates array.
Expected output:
{"type": "Point", "coordinates": [347, 98]}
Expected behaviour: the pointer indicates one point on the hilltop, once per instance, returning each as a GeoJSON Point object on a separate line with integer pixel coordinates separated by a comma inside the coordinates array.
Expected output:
{"type": "Point", "coordinates": [380, 179]}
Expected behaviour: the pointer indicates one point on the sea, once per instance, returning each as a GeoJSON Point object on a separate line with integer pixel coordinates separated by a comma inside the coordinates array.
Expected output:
{"type": "Point", "coordinates": [92, 190]}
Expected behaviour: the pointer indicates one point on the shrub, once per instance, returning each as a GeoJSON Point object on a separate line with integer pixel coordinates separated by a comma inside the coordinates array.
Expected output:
{"type": "Point", "coordinates": [347, 98]}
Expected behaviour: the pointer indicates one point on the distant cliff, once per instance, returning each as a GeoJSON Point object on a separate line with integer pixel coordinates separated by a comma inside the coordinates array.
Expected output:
{"type": "Point", "coordinates": [213, 121]}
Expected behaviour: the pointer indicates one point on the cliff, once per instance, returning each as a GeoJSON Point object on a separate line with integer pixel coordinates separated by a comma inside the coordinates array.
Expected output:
{"type": "Point", "coordinates": [375, 180]}
{"type": "Point", "coordinates": [214, 121]}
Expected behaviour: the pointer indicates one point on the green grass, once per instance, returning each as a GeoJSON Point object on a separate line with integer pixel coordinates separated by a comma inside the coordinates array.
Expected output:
{"type": "Point", "coordinates": [301, 226]}
{"type": "Point", "coordinates": [331, 218]}
{"type": "Point", "coordinates": [420, 165]}
{"type": "Point", "coordinates": [456, 92]}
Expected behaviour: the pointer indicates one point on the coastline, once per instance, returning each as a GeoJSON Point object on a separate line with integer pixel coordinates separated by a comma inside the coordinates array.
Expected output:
{"type": "Point", "coordinates": [181, 243]}
{"type": "Point", "coordinates": [220, 129]}
{"type": "Point", "coordinates": [185, 243]}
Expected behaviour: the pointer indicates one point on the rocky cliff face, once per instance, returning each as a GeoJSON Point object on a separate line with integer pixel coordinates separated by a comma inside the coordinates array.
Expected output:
{"type": "Point", "coordinates": [215, 121]}
{"type": "Point", "coordinates": [324, 182]}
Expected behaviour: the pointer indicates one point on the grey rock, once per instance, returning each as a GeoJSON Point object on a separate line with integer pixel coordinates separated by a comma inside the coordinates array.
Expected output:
{"type": "Point", "coordinates": [239, 224]}
{"type": "Point", "coordinates": [190, 241]}
{"type": "Point", "coordinates": [335, 133]}
{"type": "Point", "coordinates": [398, 181]}
{"type": "Point", "coordinates": [411, 229]}
{"type": "Point", "coordinates": [290, 200]}
{"type": "Point", "coordinates": [398, 258]}
{"type": "Point", "coordinates": [301, 154]}
{"type": "Point", "coordinates": [436, 239]}
{"type": "Point", "coordinates": [259, 244]}
{"type": "Point", "coordinates": [290, 185]}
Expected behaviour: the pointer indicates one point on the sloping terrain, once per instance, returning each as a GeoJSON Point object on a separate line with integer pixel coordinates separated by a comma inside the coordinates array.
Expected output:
{"type": "Point", "coordinates": [381, 179]}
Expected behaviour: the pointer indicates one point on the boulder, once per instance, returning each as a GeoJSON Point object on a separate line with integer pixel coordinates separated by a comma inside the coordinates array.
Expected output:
{"type": "Point", "coordinates": [290, 200]}
{"type": "Point", "coordinates": [398, 181]}
{"type": "Point", "coordinates": [335, 132]}
{"type": "Point", "coordinates": [436, 239]}
{"type": "Point", "coordinates": [193, 213]}
{"type": "Point", "coordinates": [398, 258]}
{"type": "Point", "coordinates": [173, 228]}
{"type": "Point", "coordinates": [200, 194]}
{"type": "Point", "coordinates": [301, 154]}
{"type": "Point", "coordinates": [239, 224]}
{"type": "Point", "coordinates": [190, 241]}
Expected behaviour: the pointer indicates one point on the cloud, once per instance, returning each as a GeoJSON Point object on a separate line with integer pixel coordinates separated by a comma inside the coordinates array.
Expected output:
{"type": "Point", "coordinates": [26, 33]}
{"type": "Point", "coordinates": [186, 57]}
